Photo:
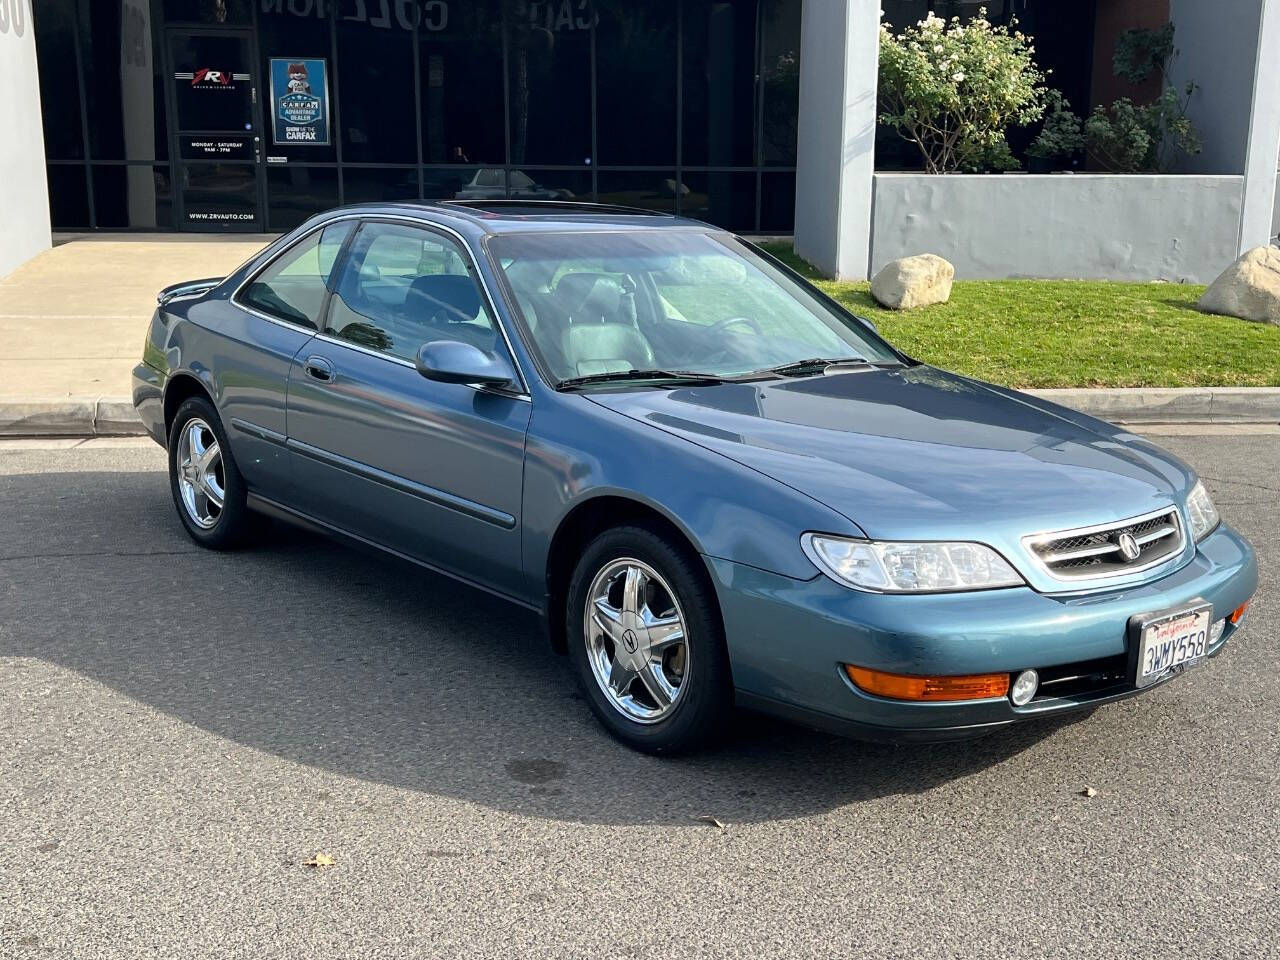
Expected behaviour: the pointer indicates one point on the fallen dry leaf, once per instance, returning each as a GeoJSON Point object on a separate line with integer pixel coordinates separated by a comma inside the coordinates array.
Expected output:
{"type": "Point", "coordinates": [1088, 792]}
{"type": "Point", "coordinates": [712, 821]}
{"type": "Point", "coordinates": [320, 860]}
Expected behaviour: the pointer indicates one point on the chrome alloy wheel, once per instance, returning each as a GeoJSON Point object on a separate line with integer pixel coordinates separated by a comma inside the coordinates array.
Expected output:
{"type": "Point", "coordinates": [636, 640]}
{"type": "Point", "coordinates": [201, 479]}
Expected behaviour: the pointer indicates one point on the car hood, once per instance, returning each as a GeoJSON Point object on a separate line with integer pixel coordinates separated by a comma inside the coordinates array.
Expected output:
{"type": "Point", "coordinates": [916, 453]}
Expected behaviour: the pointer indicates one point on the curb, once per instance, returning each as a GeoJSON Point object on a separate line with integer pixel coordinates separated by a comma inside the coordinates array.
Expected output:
{"type": "Point", "coordinates": [115, 416]}
{"type": "Point", "coordinates": [70, 417]}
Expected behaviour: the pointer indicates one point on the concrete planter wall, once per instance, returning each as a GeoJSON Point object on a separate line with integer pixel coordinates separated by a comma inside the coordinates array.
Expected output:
{"type": "Point", "coordinates": [1089, 226]}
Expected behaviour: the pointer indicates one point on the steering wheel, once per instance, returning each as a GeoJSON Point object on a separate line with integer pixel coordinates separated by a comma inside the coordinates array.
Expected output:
{"type": "Point", "coordinates": [728, 321]}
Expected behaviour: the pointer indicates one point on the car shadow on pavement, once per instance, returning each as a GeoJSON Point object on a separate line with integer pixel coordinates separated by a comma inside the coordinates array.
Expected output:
{"type": "Point", "coordinates": [359, 665]}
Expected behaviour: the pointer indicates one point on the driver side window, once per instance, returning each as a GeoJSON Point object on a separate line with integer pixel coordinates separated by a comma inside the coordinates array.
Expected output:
{"type": "Point", "coordinates": [402, 286]}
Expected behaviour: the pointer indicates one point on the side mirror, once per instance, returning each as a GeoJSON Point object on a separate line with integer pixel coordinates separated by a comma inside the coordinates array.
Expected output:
{"type": "Point", "coordinates": [866, 323]}
{"type": "Point", "coordinates": [450, 361]}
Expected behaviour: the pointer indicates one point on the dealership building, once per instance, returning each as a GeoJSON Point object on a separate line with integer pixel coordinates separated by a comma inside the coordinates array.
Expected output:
{"type": "Point", "coordinates": [757, 115]}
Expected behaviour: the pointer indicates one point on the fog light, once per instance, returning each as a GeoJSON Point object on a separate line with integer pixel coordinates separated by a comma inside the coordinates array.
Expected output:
{"type": "Point", "coordinates": [1215, 631]}
{"type": "Point", "coordinates": [1024, 688]}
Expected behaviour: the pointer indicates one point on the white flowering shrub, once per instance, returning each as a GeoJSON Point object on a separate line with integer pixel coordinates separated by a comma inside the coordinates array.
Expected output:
{"type": "Point", "coordinates": [954, 88]}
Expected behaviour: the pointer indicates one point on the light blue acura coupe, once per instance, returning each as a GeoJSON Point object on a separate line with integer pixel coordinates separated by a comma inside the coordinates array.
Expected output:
{"type": "Point", "coordinates": [716, 486]}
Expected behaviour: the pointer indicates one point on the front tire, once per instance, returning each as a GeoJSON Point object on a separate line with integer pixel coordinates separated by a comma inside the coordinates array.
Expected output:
{"type": "Point", "coordinates": [646, 642]}
{"type": "Point", "coordinates": [207, 487]}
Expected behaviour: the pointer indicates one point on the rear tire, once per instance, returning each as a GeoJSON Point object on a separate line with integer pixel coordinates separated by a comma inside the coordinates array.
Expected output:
{"type": "Point", "coordinates": [646, 642]}
{"type": "Point", "coordinates": [207, 487]}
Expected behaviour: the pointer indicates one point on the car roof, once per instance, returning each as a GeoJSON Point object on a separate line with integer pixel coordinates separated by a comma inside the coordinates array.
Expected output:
{"type": "Point", "coordinates": [528, 216]}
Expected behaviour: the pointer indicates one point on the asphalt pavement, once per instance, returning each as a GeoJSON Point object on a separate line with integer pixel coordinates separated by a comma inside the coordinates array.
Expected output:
{"type": "Point", "coordinates": [181, 731]}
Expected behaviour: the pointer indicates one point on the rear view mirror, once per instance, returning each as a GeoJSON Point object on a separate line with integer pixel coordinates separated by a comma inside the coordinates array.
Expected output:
{"type": "Point", "coordinates": [451, 361]}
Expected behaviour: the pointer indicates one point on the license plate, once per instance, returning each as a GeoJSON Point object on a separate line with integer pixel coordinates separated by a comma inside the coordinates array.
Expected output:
{"type": "Point", "coordinates": [1171, 641]}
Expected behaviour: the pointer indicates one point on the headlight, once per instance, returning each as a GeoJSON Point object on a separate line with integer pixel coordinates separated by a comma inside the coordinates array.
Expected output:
{"type": "Point", "coordinates": [909, 567]}
{"type": "Point", "coordinates": [1201, 512]}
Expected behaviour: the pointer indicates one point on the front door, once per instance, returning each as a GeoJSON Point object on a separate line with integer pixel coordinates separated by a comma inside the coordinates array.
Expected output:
{"type": "Point", "coordinates": [432, 470]}
{"type": "Point", "coordinates": [216, 129]}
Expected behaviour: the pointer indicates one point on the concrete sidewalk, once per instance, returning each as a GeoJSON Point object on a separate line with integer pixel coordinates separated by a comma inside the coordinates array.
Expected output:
{"type": "Point", "coordinates": [72, 323]}
{"type": "Point", "coordinates": [72, 320]}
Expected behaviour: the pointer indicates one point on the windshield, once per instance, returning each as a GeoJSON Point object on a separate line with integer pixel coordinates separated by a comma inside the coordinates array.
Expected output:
{"type": "Point", "coordinates": [597, 304]}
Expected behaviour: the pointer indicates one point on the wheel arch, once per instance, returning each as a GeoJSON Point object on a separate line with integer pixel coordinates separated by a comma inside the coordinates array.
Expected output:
{"type": "Point", "coordinates": [581, 524]}
{"type": "Point", "coordinates": [180, 388]}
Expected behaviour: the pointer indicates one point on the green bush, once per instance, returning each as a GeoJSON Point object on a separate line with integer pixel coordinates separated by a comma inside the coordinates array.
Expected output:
{"type": "Point", "coordinates": [954, 88]}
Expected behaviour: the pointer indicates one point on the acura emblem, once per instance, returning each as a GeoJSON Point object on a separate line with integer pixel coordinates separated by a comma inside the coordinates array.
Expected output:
{"type": "Point", "coordinates": [1129, 548]}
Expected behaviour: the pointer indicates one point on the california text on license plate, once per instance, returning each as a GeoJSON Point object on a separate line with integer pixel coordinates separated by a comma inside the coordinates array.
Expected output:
{"type": "Point", "coordinates": [1175, 640]}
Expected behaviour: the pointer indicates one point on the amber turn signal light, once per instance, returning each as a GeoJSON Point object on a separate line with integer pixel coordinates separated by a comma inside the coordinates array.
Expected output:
{"type": "Point", "coordinates": [1238, 613]}
{"type": "Point", "coordinates": [901, 686]}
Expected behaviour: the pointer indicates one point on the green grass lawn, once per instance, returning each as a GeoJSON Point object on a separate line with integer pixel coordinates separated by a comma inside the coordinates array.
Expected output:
{"type": "Point", "coordinates": [1072, 333]}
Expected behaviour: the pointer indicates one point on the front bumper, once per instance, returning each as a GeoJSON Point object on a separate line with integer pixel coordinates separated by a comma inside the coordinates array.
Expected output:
{"type": "Point", "coordinates": [788, 638]}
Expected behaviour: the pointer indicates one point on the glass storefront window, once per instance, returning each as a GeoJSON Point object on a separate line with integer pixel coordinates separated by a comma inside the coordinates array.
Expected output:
{"type": "Point", "coordinates": [68, 196]}
{"type": "Point", "coordinates": [636, 82]}
{"type": "Point", "coordinates": [296, 192]}
{"type": "Point", "coordinates": [626, 101]}
{"type": "Point", "coordinates": [295, 30]}
{"type": "Point", "coordinates": [460, 83]}
{"type": "Point", "coordinates": [724, 199]}
{"type": "Point", "coordinates": [365, 185]}
{"type": "Point", "coordinates": [549, 73]}
{"type": "Point", "coordinates": [719, 82]}
{"type": "Point", "coordinates": [780, 79]}
{"type": "Point", "coordinates": [648, 189]}
{"type": "Point", "coordinates": [55, 23]}
{"type": "Point", "coordinates": [375, 107]}
{"type": "Point", "coordinates": [777, 202]}
{"type": "Point", "coordinates": [207, 11]}
{"type": "Point", "coordinates": [132, 196]}
{"type": "Point", "coordinates": [123, 81]}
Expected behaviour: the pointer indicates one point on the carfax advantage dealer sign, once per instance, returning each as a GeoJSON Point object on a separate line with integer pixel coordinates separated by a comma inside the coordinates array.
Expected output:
{"type": "Point", "coordinates": [299, 101]}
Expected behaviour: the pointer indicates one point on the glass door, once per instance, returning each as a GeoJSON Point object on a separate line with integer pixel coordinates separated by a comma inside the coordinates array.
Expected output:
{"type": "Point", "coordinates": [216, 129]}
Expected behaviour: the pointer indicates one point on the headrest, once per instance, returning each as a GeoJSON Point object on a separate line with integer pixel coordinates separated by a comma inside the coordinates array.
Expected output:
{"type": "Point", "coordinates": [589, 296]}
{"type": "Point", "coordinates": [452, 296]}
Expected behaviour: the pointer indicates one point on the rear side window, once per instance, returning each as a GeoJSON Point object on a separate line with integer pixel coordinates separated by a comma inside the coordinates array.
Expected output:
{"type": "Point", "coordinates": [293, 286]}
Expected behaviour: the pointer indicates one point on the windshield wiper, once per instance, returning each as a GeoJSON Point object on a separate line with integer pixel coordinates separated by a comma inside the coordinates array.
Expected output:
{"type": "Point", "coordinates": [666, 376]}
{"type": "Point", "coordinates": [799, 368]}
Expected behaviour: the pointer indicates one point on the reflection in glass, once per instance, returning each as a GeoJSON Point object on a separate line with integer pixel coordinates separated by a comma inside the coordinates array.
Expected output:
{"type": "Point", "coordinates": [376, 93]}
{"type": "Point", "coordinates": [55, 25]}
{"type": "Point", "coordinates": [636, 82]}
{"type": "Point", "coordinates": [550, 81]}
{"type": "Point", "coordinates": [460, 77]}
{"type": "Point", "coordinates": [296, 192]}
{"type": "Point", "coordinates": [650, 190]}
{"type": "Point", "coordinates": [211, 11]}
{"type": "Point", "coordinates": [724, 199]}
{"type": "Point", "coordinates": [495, 183]}
{"type": "Point", "coordinates": [780, 76]}
{"type": "Point", "coordinates": [363, 185]}
{"type": "Point", "coordinates": [123, 82]}
{"type": "Point", "coordinates": [719, 82]}
{"type": "Point", "coordinates": [133, 197]}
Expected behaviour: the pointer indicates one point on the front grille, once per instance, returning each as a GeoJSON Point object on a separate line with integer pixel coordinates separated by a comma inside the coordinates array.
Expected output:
{"type": "Point", "coordinates": [1087, 553]}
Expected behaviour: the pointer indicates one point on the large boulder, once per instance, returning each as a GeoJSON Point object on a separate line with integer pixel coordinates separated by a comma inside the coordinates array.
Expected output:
{"type": "Point", "coordinates": [913, 282]}
{"type": "Point", "coordinates": [1249, 288]}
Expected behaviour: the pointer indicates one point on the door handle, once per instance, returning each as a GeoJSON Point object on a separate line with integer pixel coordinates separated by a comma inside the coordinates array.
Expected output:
{"type": "Point", "coordinates": [318, 368]}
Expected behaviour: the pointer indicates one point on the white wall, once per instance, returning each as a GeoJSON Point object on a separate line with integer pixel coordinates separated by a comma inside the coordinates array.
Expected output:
{"type": "Point", "coordinates": [1073, 226]}
{"type": "Point", "coordinates": [835, 154]}
{"type": "Point", "coordinates": [24, 194]}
